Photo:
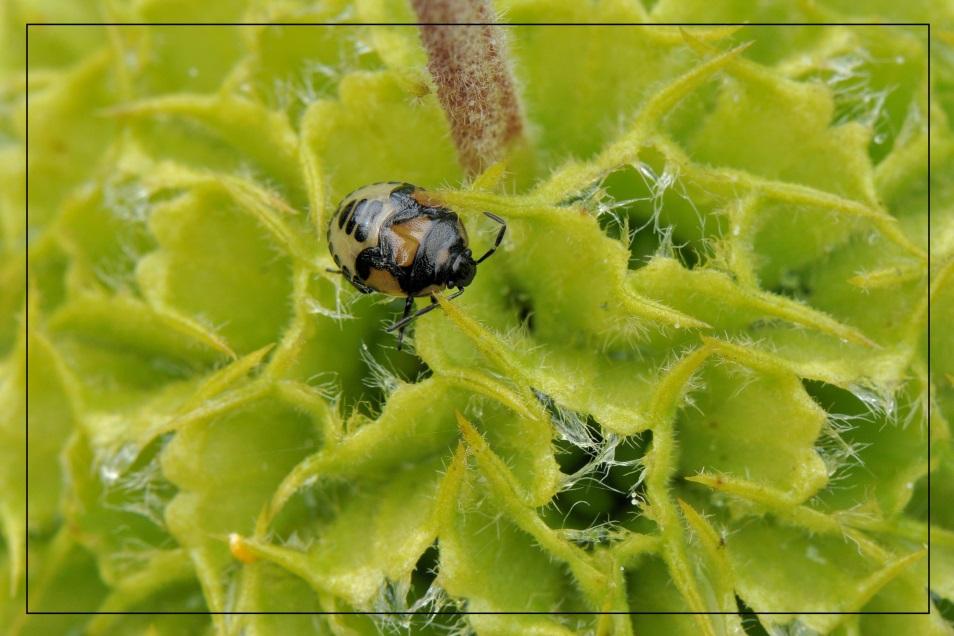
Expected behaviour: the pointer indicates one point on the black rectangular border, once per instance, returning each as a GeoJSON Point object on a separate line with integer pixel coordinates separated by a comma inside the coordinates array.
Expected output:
{"type": "Point", "coordinates": [27, 26]}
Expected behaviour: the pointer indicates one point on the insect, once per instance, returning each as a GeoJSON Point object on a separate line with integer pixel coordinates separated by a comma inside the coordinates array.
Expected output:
{"type": "Point", "coordinates": [394, 238]}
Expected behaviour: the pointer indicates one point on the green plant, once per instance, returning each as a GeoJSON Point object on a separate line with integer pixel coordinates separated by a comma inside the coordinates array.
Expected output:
{"type": "Point", "coordinates": [695, 378]}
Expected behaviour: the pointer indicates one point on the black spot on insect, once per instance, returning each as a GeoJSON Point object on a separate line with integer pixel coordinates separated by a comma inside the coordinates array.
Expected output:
{"type": "Point", "coordinates": [363, 217]}
{"type": "Point", "coordinates": [346, 272]}
{"type": "Point", "coordinates": [349, 228]}
{"type": "Point", "coordinates": [364, 262]}
{"type": "Point", "coordinates": [343, 215]}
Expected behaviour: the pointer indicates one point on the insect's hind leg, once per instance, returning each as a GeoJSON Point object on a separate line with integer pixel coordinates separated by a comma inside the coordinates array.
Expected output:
{"type": "Point", "coordinates": [500, 235]}
{"type": "Point", "coordinates": [361, 287]}
{"type": "Point", "coordinates": [403, 322]}
{"type": "Point", "coordinates": [408, 305]}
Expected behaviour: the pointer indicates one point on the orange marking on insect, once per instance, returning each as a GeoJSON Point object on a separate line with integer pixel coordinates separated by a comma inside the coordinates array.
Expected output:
{"type": "Point", "coordinates": [409, 236]}
{"type": "Point", "coordinates": [384, 282]}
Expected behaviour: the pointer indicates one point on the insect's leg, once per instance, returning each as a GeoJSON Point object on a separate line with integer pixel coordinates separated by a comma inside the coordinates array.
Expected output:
{"type": "Point", "coordinates": [403, 322]}
{"type": "Point", "coordinates": [333, 271]}
{"type": "Point", "coordinates": [500, 235]}
{"type": "Point", "coordinates": [408, 305]}
{"type": "Point", "coordinates": [361, 287]}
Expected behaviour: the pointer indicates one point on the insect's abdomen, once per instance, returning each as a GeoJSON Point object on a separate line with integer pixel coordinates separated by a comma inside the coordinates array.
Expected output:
{"type": "Point", "coordinates": [357, 223]}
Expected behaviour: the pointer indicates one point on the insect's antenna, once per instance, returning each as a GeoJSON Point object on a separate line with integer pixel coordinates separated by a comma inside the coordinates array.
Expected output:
{"type": "Point", "coordinates": [500, 235]}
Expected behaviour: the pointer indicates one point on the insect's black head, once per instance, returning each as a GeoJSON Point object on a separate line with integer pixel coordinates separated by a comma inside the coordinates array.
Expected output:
{"type": "Point", "coordinates": [461, 268]}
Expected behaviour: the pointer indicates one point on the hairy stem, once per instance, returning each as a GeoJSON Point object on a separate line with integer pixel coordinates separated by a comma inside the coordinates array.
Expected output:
{"type": "Point", "coordinates": [474, 84]}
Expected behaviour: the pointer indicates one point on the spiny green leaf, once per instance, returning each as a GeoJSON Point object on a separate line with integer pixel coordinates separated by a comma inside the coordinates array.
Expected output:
{"type": "Point", "coordinates": [696, 369]}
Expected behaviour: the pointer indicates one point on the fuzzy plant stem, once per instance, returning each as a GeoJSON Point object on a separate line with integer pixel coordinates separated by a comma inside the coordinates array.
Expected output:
{"type": "Point", "coordinates": [474, 84]}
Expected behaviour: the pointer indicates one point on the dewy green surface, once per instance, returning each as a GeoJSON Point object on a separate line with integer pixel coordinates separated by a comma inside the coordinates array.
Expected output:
{"type": "Point", "coordinates": [694, 378]}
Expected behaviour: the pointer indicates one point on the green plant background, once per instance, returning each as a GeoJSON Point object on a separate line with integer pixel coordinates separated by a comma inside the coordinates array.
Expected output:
{"type": "Point", "coordinates": [695, 378]}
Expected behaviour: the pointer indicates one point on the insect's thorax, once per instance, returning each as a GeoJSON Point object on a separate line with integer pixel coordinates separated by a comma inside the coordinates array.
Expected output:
{"type": "Point", "coordinates": [423, 247]}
